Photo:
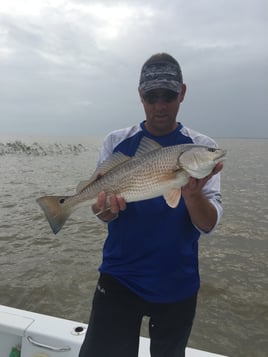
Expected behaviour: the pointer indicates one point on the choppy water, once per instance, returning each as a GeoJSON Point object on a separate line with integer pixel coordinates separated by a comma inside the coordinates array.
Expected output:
{"type": "Point", "coordinates": [56, 275]}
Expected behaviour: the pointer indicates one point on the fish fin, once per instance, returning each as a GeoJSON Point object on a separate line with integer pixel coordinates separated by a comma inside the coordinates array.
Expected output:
{"type": "Point", "coordinates": [147, 145]}
{"type": "Point", "coordinates": [55, 210]}
{"type": "Point", "coordinates": [109, 164]}
{"type": "Point", "coordinates": [173, 197]}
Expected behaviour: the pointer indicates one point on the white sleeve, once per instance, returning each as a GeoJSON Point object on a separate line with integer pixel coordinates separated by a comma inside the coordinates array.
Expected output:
{"type": "Point", "coordinates": [212, 191]}
{"type": "Point", "coordinates": [115, 138]}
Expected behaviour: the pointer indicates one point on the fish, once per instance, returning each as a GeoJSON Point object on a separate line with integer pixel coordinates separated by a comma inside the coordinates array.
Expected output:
{"type": "Point", "coordinates": [153, 171]}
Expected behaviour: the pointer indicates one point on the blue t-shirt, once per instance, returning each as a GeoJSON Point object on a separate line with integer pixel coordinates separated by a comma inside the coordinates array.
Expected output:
{"type": "Point", "coordinates": [152, 248]}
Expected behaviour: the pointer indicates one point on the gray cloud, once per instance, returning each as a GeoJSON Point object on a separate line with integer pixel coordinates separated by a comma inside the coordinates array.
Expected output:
{"type": "Point", "coordinates": [72, 67]}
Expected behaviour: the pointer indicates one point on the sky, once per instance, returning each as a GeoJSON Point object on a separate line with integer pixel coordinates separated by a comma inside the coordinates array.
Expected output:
{"type": "Point", "coordinates": [71, 67]}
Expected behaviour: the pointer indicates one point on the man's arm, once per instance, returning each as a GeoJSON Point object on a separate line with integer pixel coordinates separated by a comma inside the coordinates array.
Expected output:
{"type": "Point", "coordinates": [202, 212]}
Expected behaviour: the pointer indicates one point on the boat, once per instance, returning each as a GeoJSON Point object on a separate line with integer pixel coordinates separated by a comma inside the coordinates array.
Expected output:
{"type": "Point", "coordinates": [30, 334]}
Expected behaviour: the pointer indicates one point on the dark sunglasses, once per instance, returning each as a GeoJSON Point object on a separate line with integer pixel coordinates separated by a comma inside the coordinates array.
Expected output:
{"type": "Point", "coordinates": [166, 97]}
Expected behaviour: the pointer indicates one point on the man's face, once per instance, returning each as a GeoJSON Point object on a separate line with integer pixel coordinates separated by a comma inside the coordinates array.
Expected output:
{"type": "Point", "coordinates": [161, 107]}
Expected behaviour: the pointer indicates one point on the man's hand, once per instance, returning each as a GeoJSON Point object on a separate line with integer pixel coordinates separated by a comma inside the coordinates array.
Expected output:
{"type": "Point", "coordinates": [203, 214]}
{"type": "Point", "coordinates": [194, 186]}
{"type": "Point", "coordinates": [107, 211]}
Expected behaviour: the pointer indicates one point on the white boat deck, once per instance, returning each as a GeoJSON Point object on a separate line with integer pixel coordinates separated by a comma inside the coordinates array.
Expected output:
{"type": "Point", "coordinates": [39, 335]}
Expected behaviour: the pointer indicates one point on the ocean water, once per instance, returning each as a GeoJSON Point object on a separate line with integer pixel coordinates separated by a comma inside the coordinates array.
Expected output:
{"type": "Point", "coordinates": [56, 275]}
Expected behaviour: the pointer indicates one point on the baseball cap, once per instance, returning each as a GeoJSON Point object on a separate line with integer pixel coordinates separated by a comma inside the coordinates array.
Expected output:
{"type": "Point", "coordinates": [160, 75]}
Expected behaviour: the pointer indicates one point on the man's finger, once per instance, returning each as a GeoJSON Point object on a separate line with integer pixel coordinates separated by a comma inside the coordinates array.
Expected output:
{"type": "Point", "coordinates": [217, 168]}
{"type": "Point", "coordinates": [101, 201]}
{"type": "Point", "coordinates": [122, 203]}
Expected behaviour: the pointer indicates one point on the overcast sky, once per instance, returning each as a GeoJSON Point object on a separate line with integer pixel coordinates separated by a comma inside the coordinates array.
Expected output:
{"type": "Point", "coordinates": [71, 67]}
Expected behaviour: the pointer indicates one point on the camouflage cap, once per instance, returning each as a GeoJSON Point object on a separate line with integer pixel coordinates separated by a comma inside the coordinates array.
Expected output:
{"type": "Point", "coordinates": [160, 75]}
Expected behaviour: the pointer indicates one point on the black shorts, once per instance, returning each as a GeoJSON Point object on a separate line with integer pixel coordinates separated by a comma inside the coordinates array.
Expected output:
{"type": "Point", "coordinates": [115, 321]}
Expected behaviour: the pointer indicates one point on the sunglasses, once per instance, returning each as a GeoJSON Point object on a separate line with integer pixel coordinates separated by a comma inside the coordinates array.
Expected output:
{"type": "Point", "coordinates": [166, 97]}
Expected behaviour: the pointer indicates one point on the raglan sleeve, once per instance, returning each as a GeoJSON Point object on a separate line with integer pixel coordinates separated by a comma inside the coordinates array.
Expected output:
{"type": "Point", "coordinates": [212, 190]}
{"type": "Point", "coordinates": [106, 149]}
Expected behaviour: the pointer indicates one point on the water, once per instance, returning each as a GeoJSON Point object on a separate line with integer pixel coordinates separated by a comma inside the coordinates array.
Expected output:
{"type": "Point", "coordinates": [56, 275]}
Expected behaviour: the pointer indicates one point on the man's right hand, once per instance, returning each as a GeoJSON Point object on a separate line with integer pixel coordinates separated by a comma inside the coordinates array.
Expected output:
{"type": "Point", "coordinates": [108, 211]}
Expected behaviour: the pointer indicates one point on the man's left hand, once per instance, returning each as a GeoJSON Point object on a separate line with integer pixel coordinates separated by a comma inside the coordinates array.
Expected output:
{"type": "Point", "coordinates": [194, 186]}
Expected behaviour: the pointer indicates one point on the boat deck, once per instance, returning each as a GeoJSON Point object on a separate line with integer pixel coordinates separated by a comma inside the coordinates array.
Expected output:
{"type": "Point", "coordinates": [42, 335]}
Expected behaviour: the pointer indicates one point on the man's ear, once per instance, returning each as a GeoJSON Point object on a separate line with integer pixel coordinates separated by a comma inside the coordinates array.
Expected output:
{"type": "Point", "coordinates": [141, 98]}
{"type": "Point", "coordinates": [182, 93]}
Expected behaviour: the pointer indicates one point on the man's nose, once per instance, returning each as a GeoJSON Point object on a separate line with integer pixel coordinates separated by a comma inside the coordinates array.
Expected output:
{"type": "Point", "coordinates": [160, 103]}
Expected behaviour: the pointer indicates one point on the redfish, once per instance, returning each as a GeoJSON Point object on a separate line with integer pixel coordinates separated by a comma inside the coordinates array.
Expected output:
{"type": "Point", "coordinates": [153, 171]}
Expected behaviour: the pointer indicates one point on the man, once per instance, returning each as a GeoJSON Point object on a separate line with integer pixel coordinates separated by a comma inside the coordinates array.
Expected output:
{"type": "Point", "coordinates": [150, 257]}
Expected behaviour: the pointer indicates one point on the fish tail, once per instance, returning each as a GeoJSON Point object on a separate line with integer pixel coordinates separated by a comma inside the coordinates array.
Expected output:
{"type": "Point", "coordinates": [56, 211]}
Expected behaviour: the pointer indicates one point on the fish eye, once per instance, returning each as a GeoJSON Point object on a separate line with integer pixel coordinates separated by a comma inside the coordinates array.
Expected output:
{"type": "Point", "coordinates": [212, 149]}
